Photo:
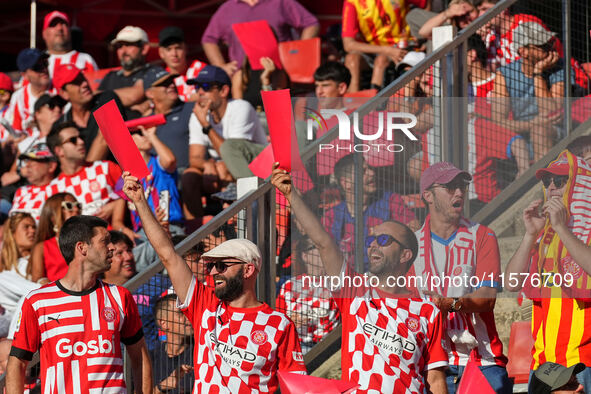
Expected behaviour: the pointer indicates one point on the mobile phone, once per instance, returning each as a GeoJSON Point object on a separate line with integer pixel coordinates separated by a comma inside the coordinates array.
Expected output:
{"type": "Point", "coordinates": [164, 203]}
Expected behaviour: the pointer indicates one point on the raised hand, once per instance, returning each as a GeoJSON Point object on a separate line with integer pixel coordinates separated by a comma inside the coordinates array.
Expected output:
{"type": "Point", "coordinates": [281, 179]}
{"type": "Point", "coordinates": [534, 222]}
{"type": "Point", "coordinates": [132, 187]}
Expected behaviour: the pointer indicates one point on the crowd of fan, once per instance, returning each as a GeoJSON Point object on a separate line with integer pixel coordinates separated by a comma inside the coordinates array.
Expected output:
{"type": "Point", "coordinates": [56, 163]}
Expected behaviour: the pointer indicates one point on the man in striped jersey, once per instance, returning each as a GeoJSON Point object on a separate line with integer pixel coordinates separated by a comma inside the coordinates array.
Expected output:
{"type": "Point", "coordinates": [78, 323]}
{"type": "Point", "coordinates": [58, 40]}
{"type": "Point", "coordinates": [240, 342]}
{"type": "Point", "coordinates": [452, 247]}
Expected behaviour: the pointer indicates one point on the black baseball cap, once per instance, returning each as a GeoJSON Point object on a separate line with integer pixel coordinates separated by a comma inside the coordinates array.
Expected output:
{"type": "Point", "coordinates": [157, 76]}
{"type": "Point", "coordinates": [170, 35]}
{"type": "Point", "coordinates": [551, 376]}
{"type": "Point", "coordinates": [211, 74]}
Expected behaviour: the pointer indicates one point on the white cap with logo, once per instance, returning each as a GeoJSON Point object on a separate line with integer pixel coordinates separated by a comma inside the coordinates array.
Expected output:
{"type": "Point", "coordinates": [131, 34]}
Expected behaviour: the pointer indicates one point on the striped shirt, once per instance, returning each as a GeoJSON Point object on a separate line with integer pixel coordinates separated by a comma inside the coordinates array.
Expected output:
{"type": "Point", "coordinates": [22, 108]}
{"type": "Point", "coordinates": [82, 61]}
{"type": "Point", "coordinates": [79, 336]}
{"type": "Point", "coordinates": [186, 91]}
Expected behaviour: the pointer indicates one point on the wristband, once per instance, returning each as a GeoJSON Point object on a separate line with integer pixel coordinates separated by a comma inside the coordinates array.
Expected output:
{"type": "Point", "coordinates": [538, 75]}
{"type": "Point", "coordinates": [456, 305]}
{"type": "Point", "coordinates": [206, 129]}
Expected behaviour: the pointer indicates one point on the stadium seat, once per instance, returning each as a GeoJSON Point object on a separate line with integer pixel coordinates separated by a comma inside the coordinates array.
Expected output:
{"type": "Point", "coordinates": [520, 346]}
{"type": "Point", "coordinates": [95, 77]}
{"type": "Point", "coordinates": [300, 59]}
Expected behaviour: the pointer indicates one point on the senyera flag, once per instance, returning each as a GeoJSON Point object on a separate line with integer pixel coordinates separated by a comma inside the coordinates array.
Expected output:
{"type": "Point", "coordinates": [119, 140]}
{"type": "Point", "coordinates": [293, 383]}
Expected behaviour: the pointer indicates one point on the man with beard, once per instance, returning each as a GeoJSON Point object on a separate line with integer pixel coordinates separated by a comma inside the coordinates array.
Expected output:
{"type": "Point", "coordinates": [58, 40]}
{"type": "Point", "coordinates": [132, 46]}
{"type": "Point", "coordinates": [391, 338]}
{"type": "Point", "coordinates": [454, 248]}
{"type": "Point", "coordinates": [241, 342]}
{"type": "Point", "coordinates": [78, 322]}
{"type": "Point", "coordinates": [73, 87]}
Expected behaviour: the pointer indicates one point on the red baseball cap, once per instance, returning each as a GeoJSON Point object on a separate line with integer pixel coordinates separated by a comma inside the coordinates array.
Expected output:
{"type": "Point", "coordinates": [52, 15]}
{"type": "Point", "coordinates": [557, 167]}
{"type": "Point", "coordinates": [64, 74]}
{"type": "Point", "coordinates": [442, 172]}
{"type": "Point", "coordinates": [6, 83]}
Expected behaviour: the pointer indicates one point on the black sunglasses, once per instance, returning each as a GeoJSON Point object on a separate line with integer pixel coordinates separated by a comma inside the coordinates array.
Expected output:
{"type": "Point", "coordinates": [71, 205]}
{"type": "Point", "coordinates": [558, 180]}
{"type": "Point", "coordinates": [206, 86]}
{"type": "Point", "coordinates": [73, 140]}
{"type": "Point", "coordinates": [382, 240]}
{"type": "Point", "coordinates": [40, 66]}
{"type": "Point", "coordinates": [221, 266]}
{"type": "Point", "coordinates": [454, 185]}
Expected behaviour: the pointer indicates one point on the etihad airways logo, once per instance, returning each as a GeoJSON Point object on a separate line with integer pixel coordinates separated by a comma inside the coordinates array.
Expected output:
{"type": "Point", "coordinates": [231, 354]}
{"type": "Point", "coordinates": [388, 341]}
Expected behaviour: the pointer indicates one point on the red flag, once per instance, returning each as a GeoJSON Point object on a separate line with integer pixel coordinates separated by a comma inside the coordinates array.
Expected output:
{"type": "Point", "coordinates": [293, 383]}
{"type": "Point", "coordinates": [473, 380]}
{"type": "Point", "coordinates": [119, 140]}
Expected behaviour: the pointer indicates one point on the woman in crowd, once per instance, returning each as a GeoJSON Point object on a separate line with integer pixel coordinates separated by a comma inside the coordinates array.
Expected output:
{"type": "Point", "coordinates": [47, 262]}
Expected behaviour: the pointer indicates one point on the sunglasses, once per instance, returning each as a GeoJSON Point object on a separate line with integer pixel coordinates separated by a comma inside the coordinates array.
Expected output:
{"type": "Point", "coordinates": [40, 66]}
{"type": "Point", "coordinates": [206, 86]}
{"type": "Point", "coordinates": [71, 205]}
{"type": "Point", "coordinates": [221, 266]}
{"type": "Point", "coordinates": [73, 140]}
{"type": "Point", "coordinates": [454, 185]}
{"type": "Point", "coordinates": [558, 180]}
{"type": "Point", "coordinates": [382, 240]}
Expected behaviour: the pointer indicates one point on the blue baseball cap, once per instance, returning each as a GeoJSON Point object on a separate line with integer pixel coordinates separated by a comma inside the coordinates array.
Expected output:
{"type": "Point", "coordinates": [211, 74]}
{"type": "Point", "coordinates": [27, 58]}
{"type": "Point", "coordinates": [157, 76]}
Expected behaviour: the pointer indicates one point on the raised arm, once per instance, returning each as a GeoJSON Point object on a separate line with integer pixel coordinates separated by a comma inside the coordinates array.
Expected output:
{"type": "Point", "coordinates": [179, 272]}
{"type": "Point", "coordinates": [331, 256]}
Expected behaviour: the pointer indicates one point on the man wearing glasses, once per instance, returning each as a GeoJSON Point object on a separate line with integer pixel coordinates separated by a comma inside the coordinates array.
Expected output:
{"type": "Point", "coordinates": [459, 265]}
{"type": "Point", "coordinates": [391, 338]}
{"type": "Point", "coordinates": [240, 342]}
{"type": "Point", "coordinates": [552, 265]}
{"type": "Point", "coordinates": [32, 63]}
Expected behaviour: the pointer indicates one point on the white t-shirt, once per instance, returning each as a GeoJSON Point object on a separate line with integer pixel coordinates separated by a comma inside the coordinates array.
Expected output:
{"type": "Point", "coordinates": [239, 121]}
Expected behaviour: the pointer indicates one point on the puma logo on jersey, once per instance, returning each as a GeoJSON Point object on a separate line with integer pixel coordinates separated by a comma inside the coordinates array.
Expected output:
{"type": "Point", "coordinates": [57, 319]}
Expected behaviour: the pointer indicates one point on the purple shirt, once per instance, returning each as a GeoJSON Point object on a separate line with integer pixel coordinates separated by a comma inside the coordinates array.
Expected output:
{"type": "Point", "coordinates": [282, 16]}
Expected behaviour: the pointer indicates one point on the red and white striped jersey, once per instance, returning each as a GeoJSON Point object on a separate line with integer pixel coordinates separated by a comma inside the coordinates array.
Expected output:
{"type": "Point", "coordinates": [185, 91]}
{"type": "Point", "coordinates": [79, 336]}
{"type": "Point", "coordinates": [472, 252]}
{"type": "Point", "coordinates": [314, 304]}
{"type": "Point", "coordinates": [239, 350]}
{"type": "Point", "coordinates": [21, 108]}
{"type": "Point", "coordinates": [388, 343]}
{"type": "Point", "coordinates": [82, 61]}
{"type": "Point", "coordinates": [30, 199]}
{"type": "Point", "coordinates": [93, 185]}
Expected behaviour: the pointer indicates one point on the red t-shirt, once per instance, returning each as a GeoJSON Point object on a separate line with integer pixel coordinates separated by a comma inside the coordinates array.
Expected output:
{"type": "Point", "coordinates": [79, 336]}
{"type": "Point", "coordinates": [239, 350]}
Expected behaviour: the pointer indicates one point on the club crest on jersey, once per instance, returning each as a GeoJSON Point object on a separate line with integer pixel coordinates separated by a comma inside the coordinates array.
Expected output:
{"type": "Point", "coordinates": [94, 186]}
{"type": "Point", "coordinates": [413, 324]}
{"type": "Point", "coordinates": [457, 271]}
{"type": "Point", "coordinates": [109, 314]}
{"type": "Point", "coordinates": [570, 267]}
{"type": "Point", "coordinates": [259, 337]}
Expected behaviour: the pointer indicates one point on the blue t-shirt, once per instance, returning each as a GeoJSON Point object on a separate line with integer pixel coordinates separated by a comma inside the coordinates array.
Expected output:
{"type": "Point", "coordinates": [145, 297]}
{"type": "Point", "coordinates": [161, 180]}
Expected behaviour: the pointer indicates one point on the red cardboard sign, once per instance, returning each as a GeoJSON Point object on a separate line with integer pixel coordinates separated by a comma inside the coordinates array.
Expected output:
{"type": "Point", "coordinates": [258, 41]}
{"type": "Point", "coordinates": [292, 383]}
{"type": "Point", "coordinates": [261, 166]}
{"type": "Point", "coordinates": [146, 121]}
{"type": "Point", "coordinates": [119, 140]}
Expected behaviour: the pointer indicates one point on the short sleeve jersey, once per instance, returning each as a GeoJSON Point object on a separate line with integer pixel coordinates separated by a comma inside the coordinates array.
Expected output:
{"type": "Point", "coordinates": [239, 121]}
{"type": "Point", "coordinates": [93, 185]}
{"type": "Point", "coordinates": [388, 343]}
{"type": "Point", "coordinates": [82, 61]}
{"type": "Point", "coordinates": [186, 91]}
{"type": "Point", "coordinates": [79, 336]}
{"type": "Point", "coordinates": [30, 199]}
{"type": "Point", "coordinates": [239, 350]}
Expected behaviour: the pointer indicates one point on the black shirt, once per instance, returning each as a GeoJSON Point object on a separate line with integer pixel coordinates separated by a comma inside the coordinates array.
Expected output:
{"type": "Point", "coordinates": [175, 132]}
{"type": "Point", "coordinates": [116, 79]}
{"type": "Point", "coordinates": [165, 365]}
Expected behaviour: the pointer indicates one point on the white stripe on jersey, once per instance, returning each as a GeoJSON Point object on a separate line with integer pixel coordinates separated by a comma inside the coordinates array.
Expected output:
{"type": "Point", "coordinates": [117, 296]}
{"type": "Point", "coordinates": [108, 390]}
{"type": "Point", "coordinates": [45, 335]}
{"type": "Point", "coordinates": [49, 380]}
{"type": "Point", "coordinates": [61, 381]}
{"type": "Point", "coordinates": [60, 315]}
{"type": "Point", "coordinates": [110, 324]}
{"type": "Point", "coordinates": [55, 301]}
{"type": "Point", "coordinates": [105, 376]}
{"type": "Point", "coordinates": [94, 311]}
{"type": "Point", "coordinates": [104, 361]}
{"type": "Point", "coordinates": [76, 376]}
